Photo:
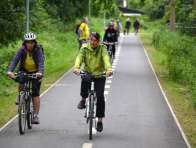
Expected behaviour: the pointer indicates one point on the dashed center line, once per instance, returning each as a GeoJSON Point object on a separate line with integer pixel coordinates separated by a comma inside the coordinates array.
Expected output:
{"type": "Point", "coordinates": [87, 145]}
{"type": "Point", "coordinates": [108, 81]}
{"type": "Point", "coordinates": [107, 86]}
{"type": "Point", "coordinates": [110, 77]}
{"type": "Point", "coordinates": [106, 92]}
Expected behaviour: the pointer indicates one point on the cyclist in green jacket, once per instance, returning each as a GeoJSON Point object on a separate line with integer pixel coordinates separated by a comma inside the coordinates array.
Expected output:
{"type": "Point", "coordinates": [95, 60]}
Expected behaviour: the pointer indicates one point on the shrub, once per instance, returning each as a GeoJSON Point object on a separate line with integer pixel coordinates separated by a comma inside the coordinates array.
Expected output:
{"type": "Point", "coordinates": [181, 54]}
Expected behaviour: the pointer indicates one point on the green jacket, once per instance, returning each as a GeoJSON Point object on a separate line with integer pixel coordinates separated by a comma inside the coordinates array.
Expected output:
{"type": "Point", "coordinates": [95, 61]}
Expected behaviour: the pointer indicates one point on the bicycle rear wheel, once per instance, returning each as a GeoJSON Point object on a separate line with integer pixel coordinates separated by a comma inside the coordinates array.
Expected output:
{"type": "Point", "coordinates": [22, 112]}
{"type": "Point", "coordinates": [111, 58]}
{"type": "Point", "coordinates": [29, 113]}
{"type": "Point", "coordinates": [91, 108]}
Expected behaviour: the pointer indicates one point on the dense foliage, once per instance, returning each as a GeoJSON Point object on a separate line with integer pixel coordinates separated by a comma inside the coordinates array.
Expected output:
{"type": "Point", "coordinates": [66, 10]}
{"type": "Point", "coordinates": [11, 20]}
{"type": "Point", "coordinates": [181, 55]}
{"type": "Point", "coordinates": [108, 7]}
{"type": "Point", "coordinates": [12, 14]}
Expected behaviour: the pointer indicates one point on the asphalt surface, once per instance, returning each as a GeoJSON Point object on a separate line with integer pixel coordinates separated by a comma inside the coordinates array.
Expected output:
{"type": "Point", "coordinates": [137, 115]}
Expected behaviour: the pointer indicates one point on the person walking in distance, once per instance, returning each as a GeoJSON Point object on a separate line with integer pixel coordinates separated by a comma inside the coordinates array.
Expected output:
{"type": "Point", "coordinates": [127, 26]}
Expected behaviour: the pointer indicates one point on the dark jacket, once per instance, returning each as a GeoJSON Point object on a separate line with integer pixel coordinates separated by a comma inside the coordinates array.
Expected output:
{"type": "Point", "coordinates": [20, 56]}
{"type": "Point", "coordinates": [110, 35]}
{"type": "Point", "coordinates": [136, 24]}
{"type": "Point", "coordinates": [127, 24]}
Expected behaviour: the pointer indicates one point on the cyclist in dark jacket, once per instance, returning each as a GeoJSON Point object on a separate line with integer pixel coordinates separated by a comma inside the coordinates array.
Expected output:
{"type": "Point", "coordinates": [31, 59]}
{"type": "Point", "coordinates": [111, 36]}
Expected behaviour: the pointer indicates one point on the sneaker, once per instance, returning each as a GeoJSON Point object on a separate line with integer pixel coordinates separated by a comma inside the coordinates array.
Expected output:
{"type": "Point", "coordinates": [35, 119]}
{"type": "Point", "coordinates": [99, 126]}
{"type": "Point", "coordinates": [81, 104]}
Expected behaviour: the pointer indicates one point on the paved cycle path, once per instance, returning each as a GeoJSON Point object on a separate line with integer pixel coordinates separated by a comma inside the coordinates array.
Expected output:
{"type": "Point", "coordinates": [137, 115]}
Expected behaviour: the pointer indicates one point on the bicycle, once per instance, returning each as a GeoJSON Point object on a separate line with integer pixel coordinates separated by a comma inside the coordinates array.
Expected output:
{"type": "Point", "coordinates": [90, 111]}
{"type": "Point", "coordinates": [25, 106]}
{"type": "Point", "coordinates": [110, 49]}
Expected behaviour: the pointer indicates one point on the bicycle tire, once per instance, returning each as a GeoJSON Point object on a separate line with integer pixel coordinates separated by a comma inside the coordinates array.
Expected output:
{"type": "Point", "coordinates": [29, 113]}
{"type": "Point", "coordinates": [111, 57]}
{"type": "Point", "coordinates": [22, 114]}
{"type": "Point", "coordinates": [91, 107]}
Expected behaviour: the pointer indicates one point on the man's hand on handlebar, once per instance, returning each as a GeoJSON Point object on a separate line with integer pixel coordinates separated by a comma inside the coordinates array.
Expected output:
{"type": "Point", "coordinates": [76, 71]}
{"type": "Point", "coordinates": [109, 73]}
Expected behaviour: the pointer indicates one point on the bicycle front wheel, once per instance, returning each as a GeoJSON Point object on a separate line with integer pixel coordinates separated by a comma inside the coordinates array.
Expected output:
{"type": "Point", "coordinates": [91, 110]}
{"type": "Point", "coordinates": [22, 112]}
{"type": "Point", "coordinates": [29, 113]}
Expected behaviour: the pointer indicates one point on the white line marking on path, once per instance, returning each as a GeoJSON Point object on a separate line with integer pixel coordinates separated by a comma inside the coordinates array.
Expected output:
{"type": "Point", "coordinates": [87, 145]}
{"type": "Point", "coordinates": [110, 77]}
{"type": "Point", "coordinates": [115, 61]}
{"type": "Point", "coordinates": [114, 64]}
{"type": "Point", "coordinates": [106, 92]}
{"type": "Point", "coordinates": [108, 81]}
{"type": "Point", "coordinates": [107, 86]}
{"type": "Point", "coordinates": [105, 98]}
{"type": "Point", "coordinates": [166, 99]}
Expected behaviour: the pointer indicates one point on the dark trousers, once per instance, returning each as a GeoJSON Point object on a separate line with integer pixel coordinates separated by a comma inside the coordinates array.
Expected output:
{"type": "Point", "coordinates": [99, 89]}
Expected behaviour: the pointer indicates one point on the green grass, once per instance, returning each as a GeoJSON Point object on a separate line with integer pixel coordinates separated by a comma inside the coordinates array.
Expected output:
{"type": "Point", "coordinates": [178, 95]}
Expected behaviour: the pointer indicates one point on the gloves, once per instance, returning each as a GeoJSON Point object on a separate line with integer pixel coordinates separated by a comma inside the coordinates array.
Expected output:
{"type": "Point", "coordinates": [109, 73]}
{"type": "Point", "coordinates": [76, 71]}
{"type": "Point", "coordinates": [39, 75]}
{"type": "Point", "coordinates": [10, 74]}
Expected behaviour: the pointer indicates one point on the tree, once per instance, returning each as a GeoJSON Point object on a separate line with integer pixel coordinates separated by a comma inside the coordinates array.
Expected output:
{"type": "Point", "coordinates": [172, 15]}
{"type": "Point", "coordinates": [67, 10]}
{"type": "Point", "coordinates": [109, 7]}
{"type": "Point", "coordinates": [11, 20]}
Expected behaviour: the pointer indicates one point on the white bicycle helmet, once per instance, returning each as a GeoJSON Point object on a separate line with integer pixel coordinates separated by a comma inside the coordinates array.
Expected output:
{"type": "Point", "coordinates": [29, 36]}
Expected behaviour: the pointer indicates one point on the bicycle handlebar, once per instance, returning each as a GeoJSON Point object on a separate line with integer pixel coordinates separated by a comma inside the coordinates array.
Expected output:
{"type": "Point", "coordinates": [110, 43]}
{"type": "Point", "coordinates": [91, 76]}
{"type": "Point", "coordinates": [26, 76]}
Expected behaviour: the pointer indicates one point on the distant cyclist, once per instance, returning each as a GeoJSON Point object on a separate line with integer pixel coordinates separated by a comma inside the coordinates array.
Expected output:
{"type": "Point", "coordinates": [136, 25]}
{"type": "Point", "coordinates": [83, 32]}
{"type": "Point", "coordinates": [31, 59]}
{"type": "Point", "coordinates": [94, 59]}
{"type": "Point", "coordinates": [111, 36]}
